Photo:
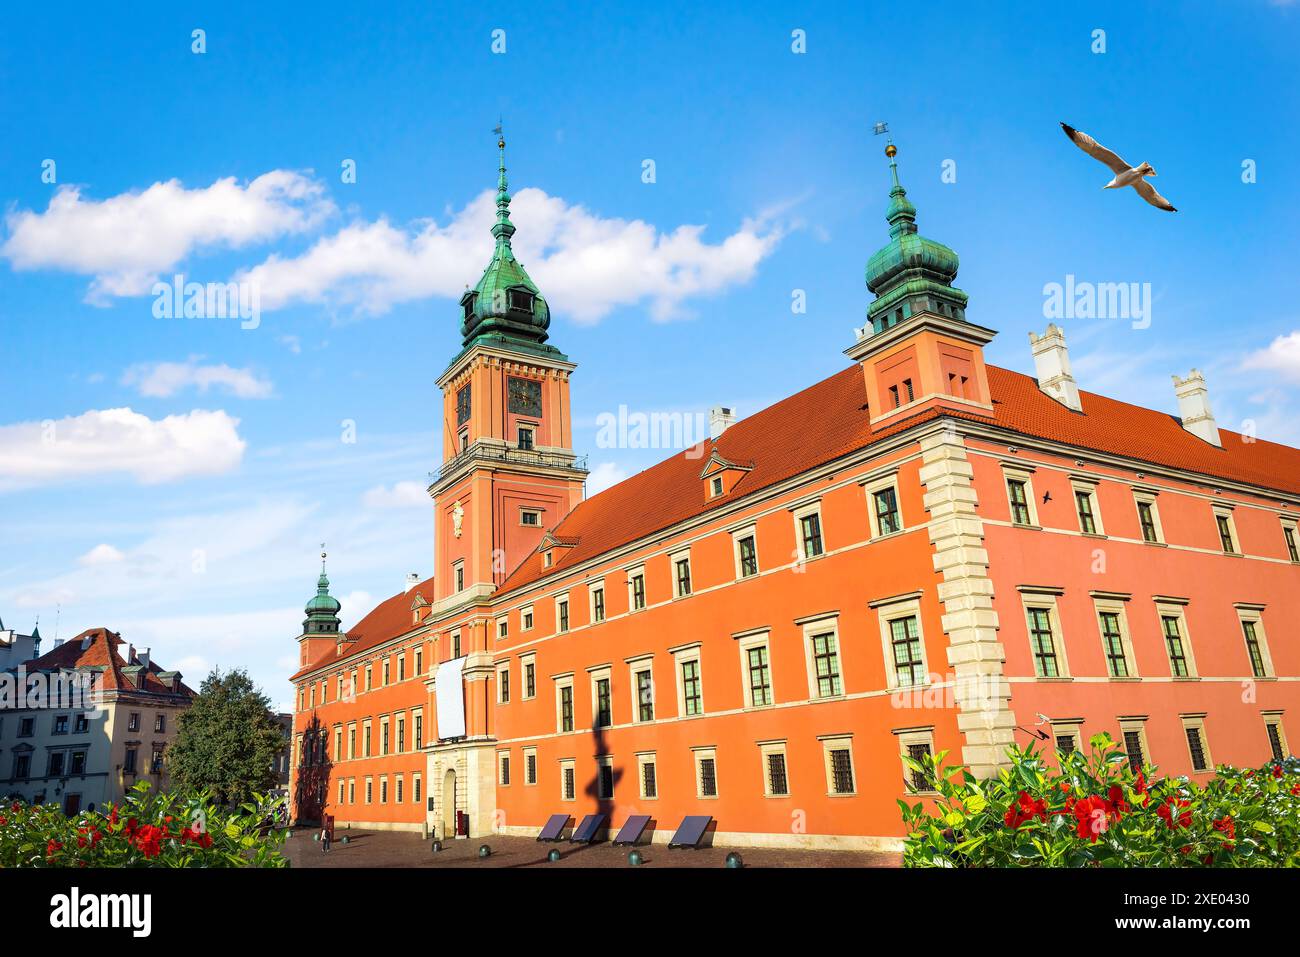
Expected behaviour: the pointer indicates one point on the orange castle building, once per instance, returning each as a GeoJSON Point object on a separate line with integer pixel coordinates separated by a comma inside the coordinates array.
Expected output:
{"type": "Point", "coordinates": [920, 553]}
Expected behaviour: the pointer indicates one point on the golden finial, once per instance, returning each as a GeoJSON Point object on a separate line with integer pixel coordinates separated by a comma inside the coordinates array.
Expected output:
{"type": "Point", "coordinates": [891, 150]}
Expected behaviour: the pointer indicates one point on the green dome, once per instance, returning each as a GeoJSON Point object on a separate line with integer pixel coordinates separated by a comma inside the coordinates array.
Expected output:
{"type": "Point", "coordinates": [911, 273]}
{"type": "Point", "coordinates": [323, 609]}
{"type": "Point", "coordinates": [506, 308]}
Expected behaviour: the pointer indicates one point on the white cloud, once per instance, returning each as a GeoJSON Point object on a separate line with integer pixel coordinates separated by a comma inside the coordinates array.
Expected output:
{"type": "Point", "coordinates": [125, 242]}
{"type": "Point", "coordinates": [399, 495]}
{"type": "Point", "coordinates": [586, 265]}
{"type": "Point", "coordinates": [99, 442]}
{"type": "Point", "coordinates": [603, 476]}
{"type": "Point", "coordinates": [165, 379]}
{"type": "Point", "coordinates": [103, 554]}
{"type": "Point", "coordinates": [354, 606]}
{"type": "Point", "coordinates": [1282, 356]}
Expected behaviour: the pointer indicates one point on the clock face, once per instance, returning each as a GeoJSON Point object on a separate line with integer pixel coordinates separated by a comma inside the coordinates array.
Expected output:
{"type": "Point", "coordinates": [462, 405]}
{"type": "Point", "coordinates": [525, 396]}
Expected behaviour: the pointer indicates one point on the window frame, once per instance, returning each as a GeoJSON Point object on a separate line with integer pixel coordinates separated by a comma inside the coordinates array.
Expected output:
{"type": "Point", "coordinates": [1291, 539]}
{"type": "Point", "coordinates": [767, 750]}
{"type": "Point", "coordinates": [563, 614]}
{"type": "Point", "coordinates": [563, 682]}
{"type": "Point", "coordinates": [682, 588]}
{"type": "Point", "coordinates": [1115, 605]}
{"type": "Point", "coordinates": [747, 642]}
{"type": "Point", "coordinates": [698, 756]}
{"type": "Point", "coordinates": [595, 676]}
{"type": "Point", "coordinates": [503, 682]}
{"type": "Point", "coordinates": [1253, 615]}
{"type": "Point", "coordinates": [1148, 497]}
{"type": "Point", "coordinates": [894, 609]}
{"type": "Point", "coordinates": [1136, 725]}
{"type": "Point", "coordinates": [598, 610]}
{"type": "Point", "coordinates": [830, 745]}
{"type": "Point", "coordinates": [815, 628]}
{"type": "Point", "coordinates": [527, 668]}
{"type": "Point", "coordinates": [635, 574]}
{"type": "Point", "coordinates": [1223, 518]}
{"type": "Point", "coordinates": [907, 738]}
{"type": "Point", "coordinates": [810, 510]}
{"type": "Point", "coordinates": [748, 533]}
{"type": "Point", "coordinates": [1176, 608]}
{"type": "Point", "coordinates": [1274, 719]}
{"type": "Point", "coordinates": [1024, 476]}
{"type": "Point", "coordinates": [1045, 600]}
{"type": "Point", "coordinates": [1196, 722]}
{"type": "Point", "coordinates": [642, 759]}
{"type": "Point", "coordinates": [682, 657]}
{"type": "Point", "coordinates": [641, 664]}
{"type": "Point", "coordinates": [1087, 487]}
{"type": "Point", "coordinates": [875, 487]}
{"type": "Point", "coordinates": [569, 765]}
{"type": "Point", "coordinates": [530, 766]}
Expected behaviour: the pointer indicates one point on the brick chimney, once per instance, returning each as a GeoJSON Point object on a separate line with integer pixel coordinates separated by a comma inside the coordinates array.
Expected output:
{"type": "Point", "coordinates": [1194, 407]}
{"type": "Point", "coordinates": [1052, 367]}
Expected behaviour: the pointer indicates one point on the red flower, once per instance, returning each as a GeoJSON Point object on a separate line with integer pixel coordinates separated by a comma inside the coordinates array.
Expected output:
{"type": "Point", "coordinates": [3, 820]}
{"type": "Point", "coordinates": [1115, 803]}
{"type": "Point", "coordinates": [1024, 810]}
{"type": "Point", "coordinates": [1091, 816]}
{"type": "Point", "coordinates": [149, 840]}
{"type": "Point", "coordinates": [1277, 770]}
{"type": "Point", "coordinates": [1296, 789]}
{"type": "Point", "coordinates": [112, 815]}
{"type": "Point", "coordinates": [52, 848]}
{"type": "Point", "coordinates": [1166, 813]}
{"type": "Point", "coordinates": [1229, 830]}
{"type": "Point", "coordinates": [88, 836]}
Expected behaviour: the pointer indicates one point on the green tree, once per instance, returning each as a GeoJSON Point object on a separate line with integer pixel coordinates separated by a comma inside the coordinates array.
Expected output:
{"type": "Point", "coordinates": [227, 741]}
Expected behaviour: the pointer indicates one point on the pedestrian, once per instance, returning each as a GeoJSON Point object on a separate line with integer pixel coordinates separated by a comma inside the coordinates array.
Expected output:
{"type": "Point", "coordinates": [325, 840]}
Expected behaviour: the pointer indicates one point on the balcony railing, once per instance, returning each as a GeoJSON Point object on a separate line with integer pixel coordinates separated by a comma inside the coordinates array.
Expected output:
{"type": "Point", "coordinates": [508, 454]}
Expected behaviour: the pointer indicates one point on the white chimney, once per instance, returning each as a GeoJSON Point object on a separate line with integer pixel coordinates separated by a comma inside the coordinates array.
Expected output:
{"type": "Point", "coordinates": [412, 580]}
{"type": "Point", "coordinates": [144, 658]}
{"type": "Point", "coordinates": [1052, 366]}
{"type": "Point", "coordinates": [1194, 407]}
{"type": "Point", "coordinates": [720, 418]}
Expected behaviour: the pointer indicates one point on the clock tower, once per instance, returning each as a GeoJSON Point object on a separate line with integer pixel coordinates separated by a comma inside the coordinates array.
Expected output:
{"type": "Point", "coordinates": [508, 471]}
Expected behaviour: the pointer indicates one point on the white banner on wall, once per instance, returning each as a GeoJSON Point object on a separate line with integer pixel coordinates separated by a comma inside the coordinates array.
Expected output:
{"type": "Point", "coordinates": [449, 688]}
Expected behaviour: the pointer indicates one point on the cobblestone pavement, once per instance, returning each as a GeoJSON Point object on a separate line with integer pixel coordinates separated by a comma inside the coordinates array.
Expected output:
{"type": "Point", "coordinates": [399, 849]}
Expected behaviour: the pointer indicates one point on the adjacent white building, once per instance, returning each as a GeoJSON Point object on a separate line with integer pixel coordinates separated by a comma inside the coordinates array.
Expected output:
{"type": "Point", "coordinates": [16, 648]}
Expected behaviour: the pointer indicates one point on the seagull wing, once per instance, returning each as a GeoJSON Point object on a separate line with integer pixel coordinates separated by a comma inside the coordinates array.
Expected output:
{"type": "Point", "coordinates": [1095, 149]}
{"type": "Point", "coordinates": [1148, 192]}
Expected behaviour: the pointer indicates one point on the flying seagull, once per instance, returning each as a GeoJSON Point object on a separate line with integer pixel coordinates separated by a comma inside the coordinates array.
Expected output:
{"type": "Point", "coordinates": [1125, 175]}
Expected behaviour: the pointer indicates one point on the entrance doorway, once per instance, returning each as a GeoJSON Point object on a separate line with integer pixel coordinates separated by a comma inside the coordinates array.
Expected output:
{"type": "Point", "coordinates": [449, 804]}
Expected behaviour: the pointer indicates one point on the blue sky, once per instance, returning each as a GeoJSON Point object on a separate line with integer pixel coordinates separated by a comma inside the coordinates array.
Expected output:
{"type": "Point", "coordinates": [191, 523]}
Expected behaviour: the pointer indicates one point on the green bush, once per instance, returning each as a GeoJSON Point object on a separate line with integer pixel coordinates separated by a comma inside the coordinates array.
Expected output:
{"type": "Point", "coordinates": [148, 829]}
{"type": "Point", "coordinates": [1094, 810]}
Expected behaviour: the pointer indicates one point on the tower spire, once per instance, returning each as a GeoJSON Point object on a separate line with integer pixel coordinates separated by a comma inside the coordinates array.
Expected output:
{"type": "Point", "coordinates": [503, 229]}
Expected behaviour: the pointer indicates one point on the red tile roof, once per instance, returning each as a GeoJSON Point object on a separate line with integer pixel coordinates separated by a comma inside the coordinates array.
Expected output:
{"type": "Point", "coordinates": [830, 420]}
{"type": "Point", "coordinates": [390, 618]}
{"type": "Point", "coordinates": [102, 652]}
{"type": "Point", "coordinates": [825, 422]}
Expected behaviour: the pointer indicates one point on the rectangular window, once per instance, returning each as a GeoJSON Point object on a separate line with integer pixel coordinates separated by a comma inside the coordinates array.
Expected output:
{"type": "Point", "coordinates": [604, 706]}
{"type": "Point", "coordinates": [649, 783]}
{"type": "Point", "coordinates": [1066, 743]}
{"type": "Point", "coordinates": [504, 762]}
{"type": "Point", "coordinates": [397, 789]}
{"type": "Point", "coordinates": [1196, 747]}
{"type": "Point", "coordinates": [708, 776]}
{"type": "Point", "coordinates": [716, 486]}
{"type": "Point", "coordinates": [60, 724]}
{"type": "Point", "coordinates": [366, 736]}
{"type": "Point", "coordinates": [748, 556]}
{"type": "Point", "coordinates": [568, 791]}
{"type": "Point", "coordinates": [1276, 746]}
{"type": "Point", "coordinates": [841, 771]}
{"type": "Point", "coordinates": [419, 729]}
{"type": "Point", "coordinates": [132, 723]}
{"type": "Point", "coordinates": [598, 604]}
{"type": "Point", "coordinates": [386, 673]}
{"type": "Point", "coordinates": [415, 788]}
{"type": "Point", "coordinates": [1224, 524]}
{"type": "Point", "coordinates": [459, 572]}
{"type": "Point", "coordinates": [1174, 645]}
{"type": "Point", "coordinates": [1043, 643]}
{"type": "Point", "coordinates": [562, 614]}
{"type": "Point", "coordinates": [82, 725]}
{"type": "Point", "coordinates": [810, 535]}
{"type": "Point", "coordinates": [906, 644]}
{"type": "Point", "coordinates": [530, 679]}
{"type": "Point", "coordinates": [1257, 666]}
{"type": "Point", "coordinates": [566, 708]}
{"type": "Point", "coordinates": [682, 569]}
{"type": "Point", "coordinates": [638, 591]}
{"type": "Point", "coordinates": [383, 790]}
{"type": "Point", "coordinates": [455, 645]}
{"type": "Point", "coordinates": [526, 619]}
{"type": "Point", "coordinates": [692, 701]}
{"type": "Point", "coordinates": [1289, 533]}
{"type": "Point", "coordinates": [921, 779]}
{"type": "Point", "coordinates": [1083, 502]}
{"type": "Point", "coordinates": [526, 438]}
{"type": "Point", "coordinates": [778, 784]}
{"type": "Point", "coordinates": [1147, 520]}
{"type": "Point", "coordinates": [760, 677]}
{"type": "Point", "coordinates": [530, 516]}
{"type": "Point", "coordinates": [503, 685]}
{"type": "Point", "coordinates": [1019, 502]}
{"type": "Point", "coordinates": [55, 766]}
{"type": "Point", "coordinates": [886, 505]}
{"type": "Point", "coordinates": [645, 696]}
{"type": "Point", "coordinates": [1113, 643]}
{"type": "Point", "coordinates": [826, 664]}
{"type": "Point", "coordinates": [530, 765]}
{"type": "Point", "coordinates": [605, 780]}
{"type": "Point", "coordinates": [383, 730]}
{"type": "Point", "coordinates": [1133, 747]}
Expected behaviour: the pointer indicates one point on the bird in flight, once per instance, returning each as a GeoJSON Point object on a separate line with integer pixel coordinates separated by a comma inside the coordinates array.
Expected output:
{"type": "Point", "coordinates": [1125, 175]}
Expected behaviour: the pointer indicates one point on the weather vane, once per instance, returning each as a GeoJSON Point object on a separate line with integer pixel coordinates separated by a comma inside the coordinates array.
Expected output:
{"type": "Point", "coordinates": [881, 128]}
{"type": "Point", "coordinates": [890, 149]}
{"type": "Point", "coordinates": [500, 134]}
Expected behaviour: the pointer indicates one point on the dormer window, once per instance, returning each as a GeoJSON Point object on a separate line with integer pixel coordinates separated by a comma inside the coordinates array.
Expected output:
{"type": "Point", "coordinates": [547, 558]}
{"type": "Point", "coordinates": [521, 300]}
{"type": "Point", "coordinates": [716, 488]}
{"type": "Point", "coordinates": [467, 303]}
